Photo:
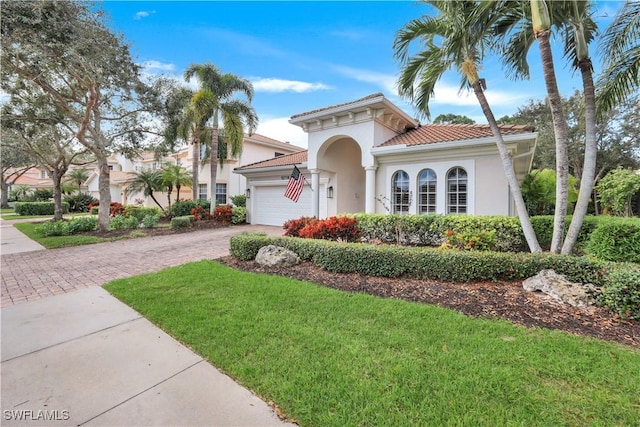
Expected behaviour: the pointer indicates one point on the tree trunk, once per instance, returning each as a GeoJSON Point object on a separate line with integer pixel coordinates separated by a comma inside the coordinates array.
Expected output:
{"type": "Point", "coordinates": [154, 199]}
{"type": "Point", "coordinates": [214, 162]}
{"type": "Point", "coordinates": [195, 166]}
{"type": "Point", "coordinates": [560, 131]}
{"type": "Point", "coordinates": [177, 192]}
{"type": "Point", "coordinates": [4, 193]}
{"type": "Point", "coordinates": [590, 154]}
{"type": "Point", "coordinates": [56, 177]}
{"type": "Point", "coordinates": [507, 164]}
{"type": "Point", "coordinates": [104, 191]}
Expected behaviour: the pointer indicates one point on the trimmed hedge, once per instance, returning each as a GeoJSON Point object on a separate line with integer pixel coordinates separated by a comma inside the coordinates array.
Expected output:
{"type": "Point", "coordinates": [616, 241]}
{"type": "Point", "coordinates": [140, 212]}
{"type": "Point", "coordinates": [182, 221]}
{"type": "Point", "coordinates": [38, 208]}
{"type": "Point", "coordinates": [620, 282]}
{"type": "Point", "coordinates": [66, 228]}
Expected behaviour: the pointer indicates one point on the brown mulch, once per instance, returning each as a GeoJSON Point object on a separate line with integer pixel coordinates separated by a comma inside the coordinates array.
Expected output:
{"type": "Point", "coordinates": [506, 300]}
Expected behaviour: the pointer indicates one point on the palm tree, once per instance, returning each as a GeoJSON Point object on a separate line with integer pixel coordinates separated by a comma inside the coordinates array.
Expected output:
{"type": "Point", "coordinates": [573, 19]}
{"type": "Point", "coordinates": [147, 182]}
{"type": "Point", "coordinates": [215, 101]}
{"type": "Point", "coordinates": [621, 41]}
{"type": "Point", "coordinates": [175, 176]}
{"type": "Point", "coordinates": [183, 124]}
{"type": "Point", "coordinates": [456, 38]}
{"type": "Point", "coordinates": [78, 176]}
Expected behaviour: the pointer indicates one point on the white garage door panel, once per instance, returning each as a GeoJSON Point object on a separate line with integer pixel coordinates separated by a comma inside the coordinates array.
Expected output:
{"type": "Point", "coordinates": [272, 208]}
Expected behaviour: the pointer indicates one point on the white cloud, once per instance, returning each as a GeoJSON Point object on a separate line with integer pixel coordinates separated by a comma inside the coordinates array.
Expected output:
{"type": "Point", "coordinates": [143, 14]}
{"type": "Point", "coordinates": [445, 94]}
{"type": "Point", "coordinates": [387, 82]}
{"type": "Point", "coordinates": [279, 128]}
{"type": "Point", "coordinates": [279, 85]}
{"type": "Point", "coordinates": [158, 66]}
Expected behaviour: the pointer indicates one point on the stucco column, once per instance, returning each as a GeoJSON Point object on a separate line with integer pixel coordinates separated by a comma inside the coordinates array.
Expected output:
{"type": "Point", "coordinates": [315, 195]}
{"type": "Point", "coordinates": [370, 189]}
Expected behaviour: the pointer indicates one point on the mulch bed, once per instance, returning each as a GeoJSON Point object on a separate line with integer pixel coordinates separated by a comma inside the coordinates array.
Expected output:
{"type": "Point", "coordinates": [506, 300]}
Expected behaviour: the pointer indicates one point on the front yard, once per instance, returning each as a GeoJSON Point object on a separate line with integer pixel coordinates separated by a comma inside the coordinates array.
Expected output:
{"type": "Point", "coordinates": [326, 357]}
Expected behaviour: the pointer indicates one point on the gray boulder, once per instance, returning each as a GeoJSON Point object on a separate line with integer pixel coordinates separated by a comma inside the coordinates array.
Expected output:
{"type": "Point", "coordinates": [561, 289]}
{"type": "Point", "coordinates": [276, 256]}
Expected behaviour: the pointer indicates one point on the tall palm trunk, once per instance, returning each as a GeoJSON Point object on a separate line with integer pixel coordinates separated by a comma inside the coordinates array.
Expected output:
{"type": "Point", "coordinates": [541, 28]}
{"type": "Point", "coordinates": [507, 164]}
{"type": "Point", "coordinates": [590, 155]}
{"type": "Point", "coordinates": [195, 166]}
{"type": "Point", "coordinates": [214, 161]}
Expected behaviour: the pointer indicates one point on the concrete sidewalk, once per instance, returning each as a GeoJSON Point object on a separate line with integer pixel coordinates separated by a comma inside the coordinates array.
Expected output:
{"type": "Point", "coordinates": [13, 241]}
{"type": "Point", "coordinates": [84, 358]}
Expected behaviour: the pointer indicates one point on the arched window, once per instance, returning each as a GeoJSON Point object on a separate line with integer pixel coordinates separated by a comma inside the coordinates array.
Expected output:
{"type": "Point", "coordinates": [457, 191]}
{"type": "Point", "coordinates": [400, 192]}
{"type": "Point", "coordinates": [427, 181]}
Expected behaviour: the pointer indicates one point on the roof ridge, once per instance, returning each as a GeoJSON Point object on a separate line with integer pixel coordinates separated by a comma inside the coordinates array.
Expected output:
{"type": "Point", "coordinates": [306, 113]}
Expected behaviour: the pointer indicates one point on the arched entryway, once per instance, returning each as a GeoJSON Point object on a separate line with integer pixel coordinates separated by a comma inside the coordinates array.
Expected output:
{"type": "Point", "coordinates": [340, 164]}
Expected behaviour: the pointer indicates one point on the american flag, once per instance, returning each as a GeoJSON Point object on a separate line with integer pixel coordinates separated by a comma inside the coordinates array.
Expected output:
{"type": "Point", "coordinates": [295, 185]}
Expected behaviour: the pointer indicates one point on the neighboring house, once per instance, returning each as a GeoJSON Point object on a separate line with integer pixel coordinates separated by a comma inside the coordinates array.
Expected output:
{"type": "Point", "coordinates": [370, 156]}
{"type": "Point", "coordinates": [255, 148]}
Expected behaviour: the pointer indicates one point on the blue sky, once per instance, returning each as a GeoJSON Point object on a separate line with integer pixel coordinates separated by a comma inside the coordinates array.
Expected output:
{"type": "Point", "coordinates": [304, 55]}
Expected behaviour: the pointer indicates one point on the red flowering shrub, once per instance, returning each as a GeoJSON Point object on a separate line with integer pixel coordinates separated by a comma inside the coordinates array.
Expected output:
{"type": "Point", "coordinates": [223, 214]}
{"type": "Point", "coordinates": [293, 226]}
{"type": "Point", "coordinates": [116, 208]}
{"type": "Point", "coordinates": [334, 228]}
{"type": "Point", "coordinates": [200, 214]}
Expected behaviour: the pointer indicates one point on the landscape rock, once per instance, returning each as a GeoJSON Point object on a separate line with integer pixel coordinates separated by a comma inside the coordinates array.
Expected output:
{"type": "Point", "coordinates": [276, 256]}
{"type": "Point", "coordinates": [560, 288]}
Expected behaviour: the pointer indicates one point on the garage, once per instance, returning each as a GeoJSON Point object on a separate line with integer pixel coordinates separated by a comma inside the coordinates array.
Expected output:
{"type": "Point", "coordinates": [270, 207]}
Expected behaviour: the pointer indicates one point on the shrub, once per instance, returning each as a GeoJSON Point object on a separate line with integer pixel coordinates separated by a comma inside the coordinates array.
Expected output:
{"type": "Point", "coordinates": [239, 201]}
{"type": "Point", "coordinates": [199, 214]}
{"type": "Point", "coordinates": [238, 215]}
{"type": "Point", "coordinates": [82, 223]}
{"type": "Point", "coordinates": [223, 214]}
{"type": "Point", "coordinates": [53, 228]}
{"type": "Point", "coordinates": [245, 246]}
{"type": "Point", "coordinates": [42, 195]}
{"type": "Point", "coordinates": [150, 220]}
{"type": "Point", "coordinates": [120, 222]}
{"type": "Point", "coordinates": [469, 240]}
{"type": "Point", "coordinates": [342, 228]}
{"type": "Point", "coordinates": [616, 240]}
{"type": "Point", "coordinates": [622, 293]}
{"type": "Point", "coordinates": [80, 202]}
{"type": "Point", "coordinates": [181, 221]}
{"type": "Point", "coordinates": [93, 210]}
{"type": "Point", "coordinates": [38, 208]}
{"type": "Point", "coordinates": [293, 226]}
{"type": "Point", "coordinates": [140, 212]}
{"type": "Point", "coordinates": [182, 208]}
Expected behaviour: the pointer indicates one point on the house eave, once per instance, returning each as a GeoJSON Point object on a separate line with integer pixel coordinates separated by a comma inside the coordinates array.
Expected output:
{"type": "Point", "coordinates": [287, 168]}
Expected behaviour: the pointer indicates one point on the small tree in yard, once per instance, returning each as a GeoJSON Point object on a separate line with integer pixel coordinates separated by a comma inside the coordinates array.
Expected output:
{"type": "Point", "coordinates": [616, 191]}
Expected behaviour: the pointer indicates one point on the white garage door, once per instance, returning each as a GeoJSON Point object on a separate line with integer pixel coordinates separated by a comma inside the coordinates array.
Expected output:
{"type": "Point", "coordinates": [270, 207]}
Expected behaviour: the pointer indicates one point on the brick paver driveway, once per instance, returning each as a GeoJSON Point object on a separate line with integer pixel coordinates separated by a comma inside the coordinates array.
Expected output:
{"type": "Point", "coordinates": [34, 275]}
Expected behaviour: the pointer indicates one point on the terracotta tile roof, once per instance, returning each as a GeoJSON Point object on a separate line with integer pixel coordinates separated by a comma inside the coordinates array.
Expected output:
{"type": "Point", "coordinates": [429, 134]}
{"type": "Point", "coordinates": [121, 176]}
{"type": "Point", "coordinates": [289, 159]}
{"type": "Point", "coordinates": [375, 95]}
{"type": "Point", "coordinates": [272, 141]}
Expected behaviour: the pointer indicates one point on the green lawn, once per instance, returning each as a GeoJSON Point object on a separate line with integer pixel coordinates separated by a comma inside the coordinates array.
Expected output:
{"type": "Point", "coordinates": [54, 242]}
{"type": "Point", "coordinates": [327, 357]}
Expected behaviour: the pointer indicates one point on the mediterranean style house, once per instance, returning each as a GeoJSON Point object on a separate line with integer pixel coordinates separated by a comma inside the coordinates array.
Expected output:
{"type": "Point", "coordinates": [255, 148]}
{"type": "Point", "coordinates": [369, 156]}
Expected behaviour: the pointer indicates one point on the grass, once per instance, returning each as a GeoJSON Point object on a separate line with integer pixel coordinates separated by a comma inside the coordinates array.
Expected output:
{"type": "Point", "coordinates": [54, 242]}
{"type": "Point", "coordinates": [327, 357]}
